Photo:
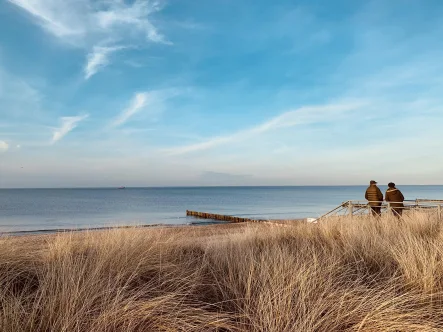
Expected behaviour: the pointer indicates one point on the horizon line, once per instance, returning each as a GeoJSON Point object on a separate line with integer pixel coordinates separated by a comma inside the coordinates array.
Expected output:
{"type": "Point", "coordinates": [215, 186]}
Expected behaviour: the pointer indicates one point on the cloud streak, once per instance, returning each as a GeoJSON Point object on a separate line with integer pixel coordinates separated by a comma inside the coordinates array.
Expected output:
{"type": "Point", "coordinates": [60, 18]}
{"type": "Point", "coordinates": [134, 16]}
{"type": "Point", "coordinates": [90, 24]}
{"type": "Point", "coordinates": [138, 103]}
{"type": "Point", "coordinates": [67, 125]}
{"type": "Point", "coordinates": [151, 101]}
{"type": "Point", "coordinates": [98, 59]}
{"type": "Point", "coordinates": [97, 20]}
{"type": "Point", "coordinates": [300, 116]}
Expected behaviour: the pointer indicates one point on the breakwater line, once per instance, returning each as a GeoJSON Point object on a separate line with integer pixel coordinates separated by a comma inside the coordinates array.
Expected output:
{"type": "Point", "coordinates": [221, 217]}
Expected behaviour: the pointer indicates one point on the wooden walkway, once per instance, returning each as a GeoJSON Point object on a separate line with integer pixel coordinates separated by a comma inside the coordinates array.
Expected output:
{"type": "Point", "coordinates": [353, 208]}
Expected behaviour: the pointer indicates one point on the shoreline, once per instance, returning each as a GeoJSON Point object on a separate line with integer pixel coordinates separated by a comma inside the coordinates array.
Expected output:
{"type": "Point", "coordinates": [86, 229]}
{"type": "Point", "coordinates": [208, 224]}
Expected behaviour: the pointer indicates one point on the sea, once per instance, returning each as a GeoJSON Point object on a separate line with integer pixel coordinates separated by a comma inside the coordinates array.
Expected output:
{"type": "Point", "coordinates": [46, 210]}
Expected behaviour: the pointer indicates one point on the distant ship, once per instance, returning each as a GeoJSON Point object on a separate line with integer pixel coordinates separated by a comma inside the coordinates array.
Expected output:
{"type": "Point", "coordinates": [122, 187]}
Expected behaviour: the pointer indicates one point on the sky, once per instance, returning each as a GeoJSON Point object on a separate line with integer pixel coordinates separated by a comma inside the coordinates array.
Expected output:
{"type": "Point", "coordinates": [225, 92]}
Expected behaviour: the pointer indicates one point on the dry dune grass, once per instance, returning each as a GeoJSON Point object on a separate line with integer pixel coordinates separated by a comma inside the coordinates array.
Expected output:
{"type": "Point", "coordinates": [341, 275]}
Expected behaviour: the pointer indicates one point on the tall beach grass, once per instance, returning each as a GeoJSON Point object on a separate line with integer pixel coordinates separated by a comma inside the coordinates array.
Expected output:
{"type": "Point", "coordinates": [343, 274]}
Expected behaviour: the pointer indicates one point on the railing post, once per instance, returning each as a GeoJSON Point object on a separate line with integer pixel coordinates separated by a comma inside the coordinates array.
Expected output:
{"type": "Point", "coordinates": [351, 209]}
{"type": "Point", "coordinates": [369, 210]}
{"type": "Point", "coordinates": [389, 207]}
{"type": "Point", "coordinates": [439, 212]}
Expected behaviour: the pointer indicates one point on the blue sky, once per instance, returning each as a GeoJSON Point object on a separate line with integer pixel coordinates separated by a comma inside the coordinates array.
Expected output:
{"type": "Point", "coordinates": [223, 92]}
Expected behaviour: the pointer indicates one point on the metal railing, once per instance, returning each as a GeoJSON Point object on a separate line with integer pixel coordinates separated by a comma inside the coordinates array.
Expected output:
{"type": "Point", "coordinates": [361, 208]}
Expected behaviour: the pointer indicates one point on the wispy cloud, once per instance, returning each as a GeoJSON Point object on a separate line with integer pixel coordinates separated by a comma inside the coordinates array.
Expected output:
{"type": "Point", "coordinates": [3, 146]}
{"type": "Point", "coordinates": [98, 59]}
{"type": "Point", "coordinates": [138, 103]}
{"type": "Point", "coordinates": [120, 15]}
{"type": "Point", "coordinates": [103, 19]}
{"type": "Point", "coordinates": [89, 24]}
{"type": "Point", "coordinates": [60, 18]}
{"type": "Point", "coordinates": [67, 125]}
{"type": "Point", "coordinates": [151, 101]}
{"type": "Point", "coordinates": [300, 116]}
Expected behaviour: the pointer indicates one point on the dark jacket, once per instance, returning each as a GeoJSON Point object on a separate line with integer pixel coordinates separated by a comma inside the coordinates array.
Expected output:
{"type": "Point", "coordinates": [374, 195]}
{"type": "Point", "coordinates": [394, 196]}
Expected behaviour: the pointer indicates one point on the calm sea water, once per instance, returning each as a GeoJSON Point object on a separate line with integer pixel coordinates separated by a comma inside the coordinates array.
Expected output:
{"type": "Point", "coordinates": [46, 209]}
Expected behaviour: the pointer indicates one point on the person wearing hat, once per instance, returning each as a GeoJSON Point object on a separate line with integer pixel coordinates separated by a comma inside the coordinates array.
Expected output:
{"type": "Point", "coordinates": [396, 198]}
{"type": "Point", "coordinates": [375, 198]}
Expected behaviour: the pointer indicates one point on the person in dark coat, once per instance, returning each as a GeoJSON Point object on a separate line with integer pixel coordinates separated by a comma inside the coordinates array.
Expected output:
{"type": "Point", "coordinates": [375, 198]}
{"type": "Point", "coordinates": [395, 198]}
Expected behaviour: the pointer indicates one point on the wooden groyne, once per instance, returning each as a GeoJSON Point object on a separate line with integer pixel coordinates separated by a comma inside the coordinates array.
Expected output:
{"type": "Point", "coordinates": [221, 217]}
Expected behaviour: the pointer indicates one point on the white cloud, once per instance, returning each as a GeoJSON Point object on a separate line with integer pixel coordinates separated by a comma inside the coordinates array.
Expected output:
{"type": "Point", "coordinates": [152, 101]}
{"type": "Point", "coordinates": [90, 24]}
{"type": "Point", "coordinates": [98, 59]}
{"type": "Point", "coordinates": [300, 116]}
{"type": "Point", "coordinates": [104, 19]}
{"type": "Point", "coordinates": [3, 146]}
{"type": "Point", "coordinates": [119, 15]}
{"type": "Point", "coordinates": [139, 102]}
{"type": "Point", "coordinates": [68, 124]}
{"type": "Point", "coordinates": [60, 18]}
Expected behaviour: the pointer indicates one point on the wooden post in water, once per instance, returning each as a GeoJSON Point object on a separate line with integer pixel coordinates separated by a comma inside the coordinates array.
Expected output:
{"type": "Point", "coordinates": [213, 216]}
